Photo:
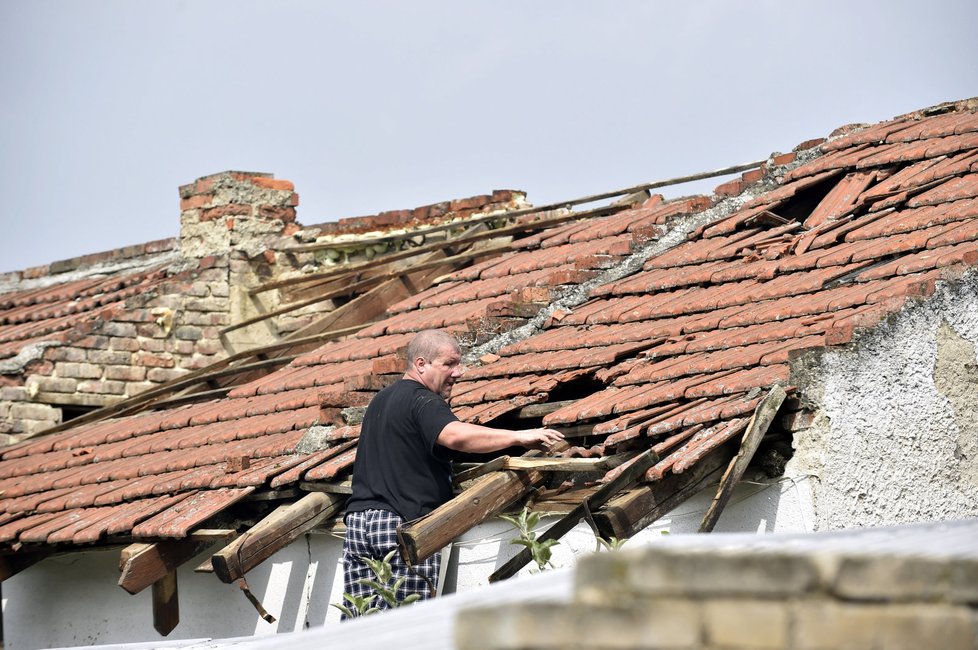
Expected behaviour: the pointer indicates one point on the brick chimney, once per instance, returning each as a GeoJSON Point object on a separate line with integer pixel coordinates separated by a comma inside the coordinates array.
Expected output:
{"type": "Point", "coordinates": [235, 211]}
{"type": "Point", "coordinates": [228, 221]}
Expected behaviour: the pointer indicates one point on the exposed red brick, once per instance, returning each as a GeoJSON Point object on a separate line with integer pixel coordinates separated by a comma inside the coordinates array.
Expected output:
{"type": "Point", "coordinates": [730, 188]}
{"type": "Point", "coordinates": [221, 211]}
{"type": "Point", "coordinates": [272, 183]}
{"type": "Point", "coordinates": [282, 213]}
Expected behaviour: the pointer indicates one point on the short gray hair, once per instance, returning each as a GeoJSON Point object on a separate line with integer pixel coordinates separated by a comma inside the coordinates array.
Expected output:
{"type": "Point", "coordinates": [428, 343]}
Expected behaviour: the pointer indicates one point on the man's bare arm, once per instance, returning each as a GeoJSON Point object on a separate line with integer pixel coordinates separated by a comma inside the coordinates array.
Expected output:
{"type": "Point", "coordinates": [474, 438]}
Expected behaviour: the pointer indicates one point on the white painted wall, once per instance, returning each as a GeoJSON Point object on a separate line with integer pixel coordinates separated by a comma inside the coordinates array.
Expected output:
{"type": "Point", "coordinates": [73, 600]}
{"type": "Point", "coordinates": [896, 434]}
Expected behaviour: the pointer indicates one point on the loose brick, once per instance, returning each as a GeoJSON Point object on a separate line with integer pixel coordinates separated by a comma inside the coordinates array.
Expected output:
{"type": "Point", "coordinates": [152, 345]}
{"type": "Point", "coordinates": [65, 353]}
{"type": "Point", "coordinates": [112, 328]}
{"type": "Point", "coordinates": [161, 375]}
{"type": "Point", "coordinates": [207, 347]}
{"type": "Point", "coordinates": [123, 345]}
{"type": "Point", "coordinates": [207, 304]}
{"type": "Point", "coordinates": [196, 362]}
{"type": "Point", "coordinates": [150, 331]}
{"type": "Point", "coordinates": [219, 289]}
{"type": "Point", "coordinates": [137, 387]}
{"type": "Point", "coordinates": [108, 357]}
{"type": "Point", "coordinates": [188, 333]}
{"type": "Point", "coordinates": [125, 373]}
{"type": "Point", "coordinates": [22, 411]}
{"type": "Point", "coordinates": [13, 393]}
{"type": "Point", "coordinates": [55, 384]}
{"type": "Point", "coordinates": [79, 370]}
{"type": "Point", "coordinates": [730, 188]}
{"type": "Point", "coordinates": [223, 211]}
{"type": "Point", "coordinates": [102, 387]}
{"type": "Point", "coordinates": [272, 183]}
{"type": "Point", "coordinates": [746, 623]}
{"type": "Point", "coordinates": [148, 360]}
{"type": "Point", "coordinates": [93, 342]}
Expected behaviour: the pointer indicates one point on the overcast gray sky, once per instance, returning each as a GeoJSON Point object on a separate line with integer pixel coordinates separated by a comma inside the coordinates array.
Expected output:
{"type": "Point", "coordinates": [108, 106]}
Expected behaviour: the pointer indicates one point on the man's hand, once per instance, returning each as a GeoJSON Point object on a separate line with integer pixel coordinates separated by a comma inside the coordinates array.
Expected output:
{"type": "Point", "coordinates": [475, 438]}
{"type": "Point", "coordinates": [539, 438]}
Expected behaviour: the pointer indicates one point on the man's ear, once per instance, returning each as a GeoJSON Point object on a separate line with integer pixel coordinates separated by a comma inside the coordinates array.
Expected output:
{"type": "Point", "coordinates": [420, 363]}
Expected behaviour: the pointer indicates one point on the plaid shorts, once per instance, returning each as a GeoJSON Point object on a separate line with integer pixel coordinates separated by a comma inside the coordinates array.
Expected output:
{"type": "Point", "coordinates": [373, 534]}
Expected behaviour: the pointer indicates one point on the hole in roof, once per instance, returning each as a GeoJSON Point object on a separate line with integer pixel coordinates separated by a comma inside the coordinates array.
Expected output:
{"type": "Point", "coordinates": [801, 205]}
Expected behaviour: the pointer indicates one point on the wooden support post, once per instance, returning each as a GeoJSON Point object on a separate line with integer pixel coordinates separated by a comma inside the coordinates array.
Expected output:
{"type": "Point", "coordinates": [633, 472]}
{"type": "Point", "coordinates": [632, 511]}
{"type": "Point", "coordinates": [273, 533]}
{"type": "Point", "coordinates": [425, 536]}
{"type": "Point", "coordinates": [756, 428]}
{"type": "Point", "coordinates": [144, 564]}
{"type": "Point", "coordinates": [166, 604]}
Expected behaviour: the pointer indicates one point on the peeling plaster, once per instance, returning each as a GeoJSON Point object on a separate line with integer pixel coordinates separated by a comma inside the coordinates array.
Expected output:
{"type": "Point", "coordinates": [895, 438]}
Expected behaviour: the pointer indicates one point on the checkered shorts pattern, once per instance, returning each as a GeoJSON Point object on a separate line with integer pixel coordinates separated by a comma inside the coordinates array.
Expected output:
{"type": "Point", "coordinates": [373, 534]}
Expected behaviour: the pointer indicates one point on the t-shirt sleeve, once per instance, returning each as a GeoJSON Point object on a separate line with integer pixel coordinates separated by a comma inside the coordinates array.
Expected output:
{"type": "Point", "coordinates": [432, 414]}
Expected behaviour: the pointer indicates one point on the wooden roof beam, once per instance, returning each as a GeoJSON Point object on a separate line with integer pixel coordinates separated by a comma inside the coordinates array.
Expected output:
{"type": "Point", "coordinates": [759, 423]}
{"type": "Point", "coordinates": [273, 533]}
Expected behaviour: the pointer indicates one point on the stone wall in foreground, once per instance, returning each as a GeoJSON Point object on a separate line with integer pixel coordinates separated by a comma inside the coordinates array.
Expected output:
{"type": "Point", "coordinates": [667, 598]}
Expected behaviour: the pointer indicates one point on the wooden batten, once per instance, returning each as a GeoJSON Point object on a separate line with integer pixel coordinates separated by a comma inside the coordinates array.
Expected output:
{"type": "Point", "coordinates": [273, 533]}
{"type": "Point", "coordinates": [423, 537]}
{"type": "Point", "coordinates": [144, 564]}
{"type": "Point", "coordinates": [633, 472]}
{"type": "Point", "coordinates": [627, 514]}
{"type": "Point", "coordinates": [763, 416]}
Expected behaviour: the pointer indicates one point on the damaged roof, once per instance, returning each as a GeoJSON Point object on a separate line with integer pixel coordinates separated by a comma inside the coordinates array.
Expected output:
{"type": "Point", "coordinates": [658, 326]}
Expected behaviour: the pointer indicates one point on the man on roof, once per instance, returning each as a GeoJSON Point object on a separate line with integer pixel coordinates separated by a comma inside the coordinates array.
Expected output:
{"type": "Point", "coordinates": [402, 469]}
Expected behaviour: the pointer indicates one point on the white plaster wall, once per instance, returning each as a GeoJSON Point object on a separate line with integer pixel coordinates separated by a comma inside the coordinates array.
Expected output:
{"type": "Point", "coordinates": [896, 434]}
{"type": "Point", "coordinates": [762, 505]}
{"type": "Point", "coordinates": [74, 599]}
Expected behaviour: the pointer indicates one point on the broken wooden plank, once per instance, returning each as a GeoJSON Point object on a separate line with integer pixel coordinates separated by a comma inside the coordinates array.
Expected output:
{"type": "Point", "coordinates": [143, 564]}
{"type": "Point", "coordinates": [338, 487]}
{"type": "Point", "coordinates": [425, 536]}
{"type": "Point", "coordinates": [635, 470]}
{"type": "Point", "coordinates": [372, 304]}
{"type": "Point", "coordinates": [540, 410]}
{"type": "Point", "coordinates": [481, 469]}
{"type": "Point", "coordinates": [273, 533]}
{"type": "Point", "coordinates": [628, 513]}
{"type": "Point", "coordinates": [758, 426]}
{"type": "Point", "coordinates": [166, 604]}
{"type": "Point", "coordinates": [602, 464]}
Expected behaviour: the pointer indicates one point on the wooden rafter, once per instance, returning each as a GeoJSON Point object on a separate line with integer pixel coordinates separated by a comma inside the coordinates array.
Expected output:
{"type": "Point", "coordinates": [759, 423]}
{"type": "Point", "coordinates": [635, 470]}
{"type": "Point", "coordinates": [273, 533]}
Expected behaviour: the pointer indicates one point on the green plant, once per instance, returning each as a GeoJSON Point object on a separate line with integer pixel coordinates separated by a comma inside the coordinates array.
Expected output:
{"type": "Point", "coordinates": [383, 584]}
{"type": "Point", "coordinates": [609, 544]}
{"type": "Point", "coordinates": [525, 523]}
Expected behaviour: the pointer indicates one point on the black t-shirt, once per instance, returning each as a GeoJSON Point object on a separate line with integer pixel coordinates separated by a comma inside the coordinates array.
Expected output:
{"type": "Point", "coordinates": [398, 466]}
